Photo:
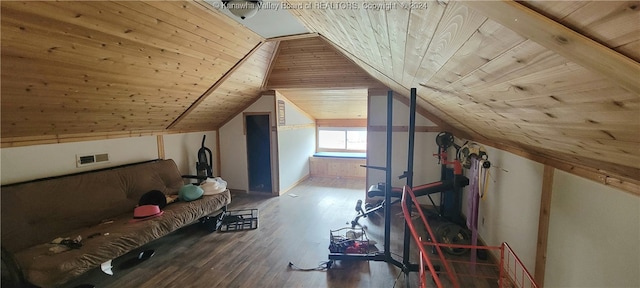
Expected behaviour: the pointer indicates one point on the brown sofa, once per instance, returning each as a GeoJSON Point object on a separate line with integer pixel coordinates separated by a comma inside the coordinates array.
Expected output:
{"type": "Point", "coordinates": [98, 204]}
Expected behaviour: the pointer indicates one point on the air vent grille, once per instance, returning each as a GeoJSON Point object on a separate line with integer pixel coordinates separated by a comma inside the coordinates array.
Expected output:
{"type": "Point", "coordinates": [89, 159]}
{"type": "Point", "coordinates": [102, 157]}
{"type": "Point", "coordinates": [84, 160]}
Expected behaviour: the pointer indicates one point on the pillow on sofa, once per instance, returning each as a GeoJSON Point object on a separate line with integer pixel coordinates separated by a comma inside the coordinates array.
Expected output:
{"type": "Point", "coordinates": [213, 186]}
{"type": "Point", "coordinates": [190, 192]}
{"type": "Point", "coordinates": [153, 197]}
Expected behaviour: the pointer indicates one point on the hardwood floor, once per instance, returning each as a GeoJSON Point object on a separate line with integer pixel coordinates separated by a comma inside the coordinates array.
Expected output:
{"type": "Point", "coordinates": [292, 228]}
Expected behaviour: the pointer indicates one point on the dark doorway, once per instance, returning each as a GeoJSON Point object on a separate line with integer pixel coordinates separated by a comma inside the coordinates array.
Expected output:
{"type": "Point", "coordinates": [259, 152]}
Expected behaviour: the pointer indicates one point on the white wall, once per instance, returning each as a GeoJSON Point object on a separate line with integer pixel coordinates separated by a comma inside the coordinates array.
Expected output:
{"type": "Point", "coordinates": [511, 206]}
{"type": "Point", "coordinates": [39, 161]}
{"type": "Point", "coordinates": [233, 146]}
{"type": "Point", "coordinates": [593, 230]}
{"type": "Point", "coordinates": [183, 149]}
{"type": "Point", "coordinates": [594, 235]}
{"type": "Point", "coordinates": [425, 166]}
{"type": "Point", "coordinates": [295, 146]}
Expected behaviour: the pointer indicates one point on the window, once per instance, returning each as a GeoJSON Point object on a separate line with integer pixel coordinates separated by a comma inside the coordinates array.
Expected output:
{"type": "Point", "coordinates": [342, 139]}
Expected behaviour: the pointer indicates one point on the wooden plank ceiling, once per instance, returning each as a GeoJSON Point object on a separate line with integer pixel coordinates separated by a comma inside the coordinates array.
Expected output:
{"type": "Point", "coordinates": [232, 95]}
{"type": "Point", "coordinates": [558, 80]}
{"type": "Point", "coordinates": [86, 67]}
{"type": "Point", "coordinates": [312, 63]}
{"type": "Point", "coordinates": [490, 82]}
{"type": "Point", "coordinates": [319, 79]}
{"type": "Point", "coordinates": [330, 104]}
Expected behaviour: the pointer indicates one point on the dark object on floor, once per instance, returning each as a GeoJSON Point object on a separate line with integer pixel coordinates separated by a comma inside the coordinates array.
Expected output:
{"type": "Point", "coordinates": [213, 223]}
{"type": "Point", "coordinates": [238, 220]}
{"type": "Point", "coordinates": [142, 256]}
{"type": "Point", "coordinates": [323, 266]}
{"type": "Point", "coordinates": [450, 233]}
{"type": "Point", "coordinates": [482, 254]}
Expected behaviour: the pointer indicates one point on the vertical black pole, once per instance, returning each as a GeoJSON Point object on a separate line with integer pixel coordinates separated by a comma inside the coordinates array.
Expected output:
{"type": "Point", "coordinates": [409, 173]}
{"type": "Point", "coordinates": [387, 189]}
{"type": "Point", "coordinates": [412, 130]}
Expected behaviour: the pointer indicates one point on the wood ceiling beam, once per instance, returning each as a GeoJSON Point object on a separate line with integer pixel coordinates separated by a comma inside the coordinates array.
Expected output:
{"type": "Point", "coordinates": [215, 86]}
{"type": "Point", "coordinates": [274, 56]}
{"type": "Point", "coordinates": [293, 37]}
{"type": "Point", "coordinates": [624, 183]}
{"type": "Point", "coordinates": [562, 40]}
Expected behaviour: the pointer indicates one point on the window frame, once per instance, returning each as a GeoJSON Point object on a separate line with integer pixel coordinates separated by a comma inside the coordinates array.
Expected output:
{"type": "Point", "coordinates": [340, 128]}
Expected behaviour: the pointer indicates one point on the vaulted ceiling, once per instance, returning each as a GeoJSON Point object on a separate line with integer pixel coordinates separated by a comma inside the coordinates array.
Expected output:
{"type": "Point", "coordinates": [558, 80]}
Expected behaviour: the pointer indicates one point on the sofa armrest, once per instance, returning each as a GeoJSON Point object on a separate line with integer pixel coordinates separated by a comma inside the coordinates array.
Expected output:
{"type": "Point", "coordinates": [11, 272]}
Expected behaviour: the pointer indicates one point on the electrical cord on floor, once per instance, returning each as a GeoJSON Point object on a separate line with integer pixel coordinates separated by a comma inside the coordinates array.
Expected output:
{"type": "Point", "coordinates": [323, 266]}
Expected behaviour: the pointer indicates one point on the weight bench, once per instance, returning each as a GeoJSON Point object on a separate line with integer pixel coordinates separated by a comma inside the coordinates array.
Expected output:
{"type": "Point", "coordinates": [378, 190]}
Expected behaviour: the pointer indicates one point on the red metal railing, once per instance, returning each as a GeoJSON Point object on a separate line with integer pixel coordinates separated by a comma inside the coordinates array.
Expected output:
{"type": "Point", "coordinates": [515, 270]}
{"type": "Point", "coordinates": [510, 271]}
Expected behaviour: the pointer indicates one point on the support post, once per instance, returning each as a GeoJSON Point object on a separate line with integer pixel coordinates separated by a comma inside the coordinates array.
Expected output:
{"type": "Point", "coordinates": [387, 193]}
{"type": "Point", "coordinates": [409, 174]}
{"type": "Point", "coordinates": [543, 224]}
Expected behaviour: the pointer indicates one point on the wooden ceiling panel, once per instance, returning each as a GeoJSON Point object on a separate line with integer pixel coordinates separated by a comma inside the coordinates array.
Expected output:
{"type": "Point", "coordinates": [490, 41]}
{"type": "Point", "coordinates": [89, 67]}
{"type": "Point", "coordinates": [330, 104]}
{"type": "Point", "coordinates": [237, 91]}
{"type": "Point", "coordinates": [488, 82]}
{"type": "Point", "coordinates": [425, 108]}
{"type": "Point", "coordinates": [311, 63]}
{"type": "Point", "coordinates": [613, 23]}
{"type": "Point", "coordinates": [455, 28]}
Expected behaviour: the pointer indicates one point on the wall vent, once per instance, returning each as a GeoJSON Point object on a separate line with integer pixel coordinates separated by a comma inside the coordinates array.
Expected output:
{"type": "Point", "coordinates": [90, 159]}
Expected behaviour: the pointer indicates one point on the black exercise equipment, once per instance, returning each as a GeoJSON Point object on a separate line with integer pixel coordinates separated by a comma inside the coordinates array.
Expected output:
{"type": "Point", "coordinates": [444, 140]}
{"type": "Point", "coordinates": [396, 192]}
{"type": "Point", "coordinates": [384, 189]}
{"type": "Point", "coordinates": [451, 200]}
{"type": "Point", "coordinates": [385, 254]}
{"type": "Point", "coordinates": [388, 192]}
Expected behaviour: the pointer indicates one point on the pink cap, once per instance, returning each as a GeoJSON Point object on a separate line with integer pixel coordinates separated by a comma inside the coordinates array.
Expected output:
{"type": "Point", "coordinates": [145, 212]}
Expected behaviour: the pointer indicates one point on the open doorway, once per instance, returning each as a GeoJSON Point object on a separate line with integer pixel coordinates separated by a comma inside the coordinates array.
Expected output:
{"type": "Point", "coordinates": [258, 134]}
